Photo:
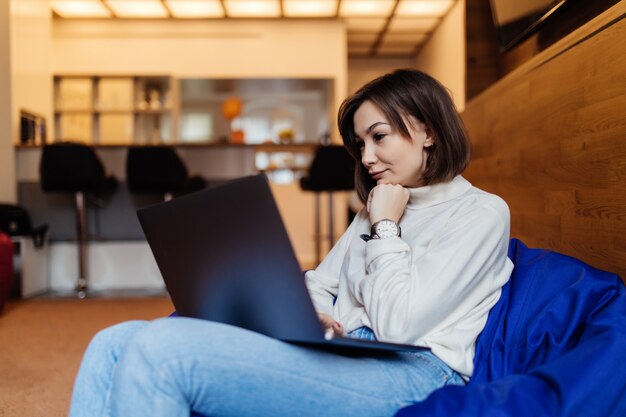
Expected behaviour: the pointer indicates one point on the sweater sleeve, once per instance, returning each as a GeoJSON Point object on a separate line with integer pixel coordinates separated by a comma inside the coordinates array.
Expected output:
{"type": "Point", "coordinates": [323, 282]}
{"type": "Point", "coordinates": [407, 298]}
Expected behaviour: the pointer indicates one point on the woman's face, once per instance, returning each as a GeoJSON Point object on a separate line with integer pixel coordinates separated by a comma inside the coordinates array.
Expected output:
{"type": "Point", "coordinates": [389, 157]}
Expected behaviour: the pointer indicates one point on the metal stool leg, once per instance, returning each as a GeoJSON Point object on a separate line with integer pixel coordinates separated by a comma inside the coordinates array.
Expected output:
{"type": "Point", "coordinates": [331, 227]}
{"type": "Point", "coordinates": [81, 284]}
{"type": "Point", "coordinates": [318, 229]}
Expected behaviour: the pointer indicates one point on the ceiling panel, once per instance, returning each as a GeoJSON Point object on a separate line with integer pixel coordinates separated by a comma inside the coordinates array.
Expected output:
{"type": "Point", "coordinates": [362, 37]}
{"type": "Point", "coordinates": [366, 8]}
{"type": "Point", "coordinates": [422, 24]}
{"type": "Point", "coordinates": [377, 24]}
{"type": "Point", "coordinates": [375, 27]}
{"type": "Point", "coordinates": [404, 37]}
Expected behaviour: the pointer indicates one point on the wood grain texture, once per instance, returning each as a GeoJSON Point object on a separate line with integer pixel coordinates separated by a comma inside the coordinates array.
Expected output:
{"type": "Point", "coordinates": [550, 138]}
{"type": "Point", "coordinates": [482, 54]}
{"type": "Point", "coordinates": [568, 17]}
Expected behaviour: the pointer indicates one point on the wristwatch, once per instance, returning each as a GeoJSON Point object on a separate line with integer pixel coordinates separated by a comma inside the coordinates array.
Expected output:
{"type": "Point", "coordinates": [383, 229]}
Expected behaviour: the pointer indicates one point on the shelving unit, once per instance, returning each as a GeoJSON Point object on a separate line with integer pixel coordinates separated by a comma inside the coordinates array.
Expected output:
{"type": "Point", "coordinates": [115, 110]}
{"type": "Point", "coordinates": [129, 110]}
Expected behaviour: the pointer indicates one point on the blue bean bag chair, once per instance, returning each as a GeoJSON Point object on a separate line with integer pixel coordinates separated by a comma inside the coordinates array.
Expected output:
{"type": "Point", "coordinates": [553, 346]}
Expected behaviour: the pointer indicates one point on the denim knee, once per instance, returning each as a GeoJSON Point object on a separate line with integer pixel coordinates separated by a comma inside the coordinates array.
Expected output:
{"type": "Point", "coordinates": [156, 339]}
{"type": "Point", "coordinates": [116, 336]}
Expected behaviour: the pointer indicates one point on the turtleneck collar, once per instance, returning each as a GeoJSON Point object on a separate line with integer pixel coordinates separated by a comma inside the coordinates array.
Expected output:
{"type": "Point", "coordinates": [431, 195]}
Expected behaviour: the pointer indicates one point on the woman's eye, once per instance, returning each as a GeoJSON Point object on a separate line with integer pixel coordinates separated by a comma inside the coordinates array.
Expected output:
{"type": "Point", "coordinates": [360, 145]}
{"type": "Point", "coordinates": [378, 136]}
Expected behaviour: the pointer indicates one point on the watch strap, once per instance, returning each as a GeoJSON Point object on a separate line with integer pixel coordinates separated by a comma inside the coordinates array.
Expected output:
{"type": "Point", "coordinates": [366, 237]}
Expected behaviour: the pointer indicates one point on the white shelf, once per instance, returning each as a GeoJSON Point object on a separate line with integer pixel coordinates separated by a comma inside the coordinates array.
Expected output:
{"type": "Point", "coordinates": [114, 110]}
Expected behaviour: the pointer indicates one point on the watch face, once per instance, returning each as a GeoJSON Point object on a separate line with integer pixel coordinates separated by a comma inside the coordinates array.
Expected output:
{"type": "Point", "coordinates": [386, 228]}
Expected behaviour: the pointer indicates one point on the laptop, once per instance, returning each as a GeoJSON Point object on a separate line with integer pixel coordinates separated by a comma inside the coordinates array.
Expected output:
{"type": "Point", "coordinates": [225, 256]}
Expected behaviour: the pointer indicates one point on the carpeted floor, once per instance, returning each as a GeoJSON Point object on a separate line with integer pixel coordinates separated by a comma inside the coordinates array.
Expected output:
{"type": "Point", "coordinates": [41, 344]}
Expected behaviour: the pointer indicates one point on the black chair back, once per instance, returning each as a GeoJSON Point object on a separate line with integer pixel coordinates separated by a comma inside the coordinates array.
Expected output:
{"type": "Point", "coordinates": [70, 167]}
{"type": "Point", "coordinates": [332, 169]}
{"type": "Point", "coordinates": [155, 169]}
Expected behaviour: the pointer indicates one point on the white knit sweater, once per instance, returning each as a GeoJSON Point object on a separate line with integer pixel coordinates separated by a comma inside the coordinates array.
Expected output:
{"type": "Point", "coordinates": [431, 287]}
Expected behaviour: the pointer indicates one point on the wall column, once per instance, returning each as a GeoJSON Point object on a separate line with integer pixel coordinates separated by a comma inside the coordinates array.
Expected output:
{"type": "Point", "coordinates": [7, 152]}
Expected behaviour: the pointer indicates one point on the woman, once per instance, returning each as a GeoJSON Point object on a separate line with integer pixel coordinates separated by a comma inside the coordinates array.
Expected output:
{"type": "Point", "coordinates": [423, 264]}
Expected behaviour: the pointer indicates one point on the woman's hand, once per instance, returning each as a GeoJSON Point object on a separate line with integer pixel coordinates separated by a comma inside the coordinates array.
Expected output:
{"type": "Point", "coordinates": [330, 324]}
{"type": "Point", "coordinates": [387, 201]}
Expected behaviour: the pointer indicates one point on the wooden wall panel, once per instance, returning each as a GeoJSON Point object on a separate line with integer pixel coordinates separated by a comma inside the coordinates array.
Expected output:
{"type": "Point", "coordinates": [550, 138]}
{"type": "Point", "coordinates": [482, 53]}
{"type": "Point", "coordinates": [567, 18]}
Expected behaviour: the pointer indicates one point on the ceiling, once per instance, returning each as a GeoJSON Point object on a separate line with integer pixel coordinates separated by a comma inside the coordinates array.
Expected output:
{"type": "Point", "coordinates": [376, 28]}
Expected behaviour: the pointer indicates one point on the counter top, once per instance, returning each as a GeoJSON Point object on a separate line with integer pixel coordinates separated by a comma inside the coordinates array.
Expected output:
{"type": "Point", "coordinates": [261, 147]}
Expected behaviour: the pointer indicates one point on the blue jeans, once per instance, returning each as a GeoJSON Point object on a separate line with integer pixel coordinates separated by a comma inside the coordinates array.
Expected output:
{"type": "Point", "coordinates": [171, 367]}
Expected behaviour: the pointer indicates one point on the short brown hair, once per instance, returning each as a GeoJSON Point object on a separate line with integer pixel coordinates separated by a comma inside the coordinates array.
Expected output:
{"type": "Point", "coordinates": [404, 93]}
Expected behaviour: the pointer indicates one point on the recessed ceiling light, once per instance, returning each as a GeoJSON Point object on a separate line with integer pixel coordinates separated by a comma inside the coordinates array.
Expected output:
{"type": "Point", "coordinates": [356, 37]}
{"type": "Point", "coordinates": [137, 8]}
{"type": "Point", "coordinates": [423, 25]}
{"type": "Point", "coordinates": [79, 8]}
{"type": "Point", "coordinates": [404, 37]}
{"type": "Point", "coordinates": [365, 24]}
{"type": "Point", "coordinates": [309, 8]}
{"type": "Point", "coordinates": [252, 8]}
{"type": "Point", "coordinates": [195, 8]}
{"type": "Point", "coordinates": [423, 8]}
{"type": "Point", "coordinates": [360, 8]}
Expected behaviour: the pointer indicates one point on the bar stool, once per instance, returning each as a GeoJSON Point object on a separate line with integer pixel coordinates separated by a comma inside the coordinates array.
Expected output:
{"type": "Point", "coordinates": [68, 167]}
{"type": "Point", "coordinates": [332, 169]}
{"type": "Point", "coordinates": [159, 169]}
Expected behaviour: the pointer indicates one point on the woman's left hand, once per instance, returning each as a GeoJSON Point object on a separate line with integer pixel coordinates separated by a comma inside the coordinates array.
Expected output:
{"type": "Point", "coordinates": [330, 324]}
{"type": "Point", "coordinates": [387, 201]}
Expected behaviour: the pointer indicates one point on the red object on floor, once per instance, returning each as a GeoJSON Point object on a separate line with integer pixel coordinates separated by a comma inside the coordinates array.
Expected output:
{"type": "Point", "coordinates": [6, 268]}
